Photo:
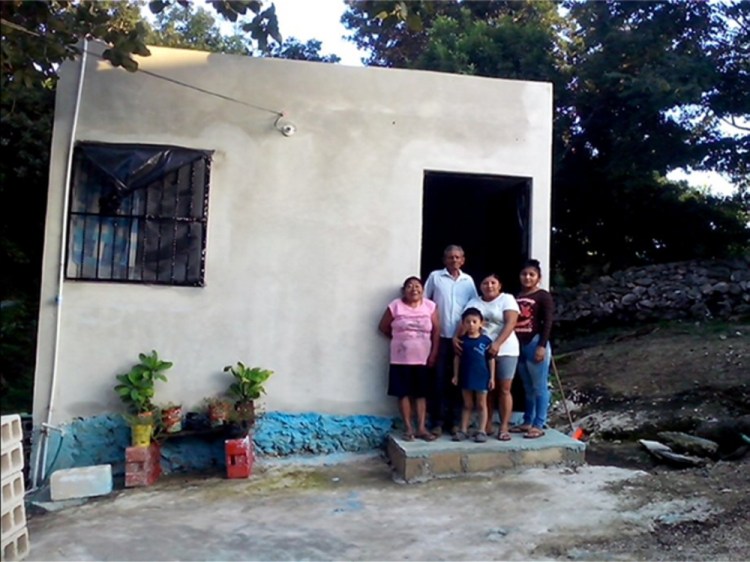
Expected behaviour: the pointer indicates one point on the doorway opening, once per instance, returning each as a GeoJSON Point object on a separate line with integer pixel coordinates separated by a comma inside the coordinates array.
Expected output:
{"type": "Point", "coordinates": [488, 216]}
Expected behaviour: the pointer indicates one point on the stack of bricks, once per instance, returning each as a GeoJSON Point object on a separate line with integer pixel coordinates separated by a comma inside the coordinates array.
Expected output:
{"type": "Point", "coordinates": [239, 457]}
{"type": "Point", "coordinates": [15, 535]}
{"type": "Point", "coordinates": [142, 465]}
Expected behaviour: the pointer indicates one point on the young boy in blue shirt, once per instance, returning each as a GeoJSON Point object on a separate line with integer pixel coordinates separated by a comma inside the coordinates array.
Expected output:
{"type": "Point", "coordinates": [474, 369]}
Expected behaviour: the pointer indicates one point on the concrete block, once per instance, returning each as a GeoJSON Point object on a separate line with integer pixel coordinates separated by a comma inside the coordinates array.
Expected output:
{"type": "Point", "coordinates": [543, 457]}
{"type": "Point", "coordinates": [416, 470]}
{"type": "Point", "coordinates": [11, 430]}
{"type": "Point", "coordinates": [417, 461]}
{"type": "Point", "coordinates": [13, 489]}
{"type": "Point", "coordinates": [441, 464]}
{"type": "Point", "coordinates": [13, 518]}
{"type": "Point", "coordinates": [84, 482]}
{"type": "Point", "coordinates": [15, 546]}
{"type": "Point", "coordinates": [11, 459]}
{"type": "Point", "coordinates": [489, 462]}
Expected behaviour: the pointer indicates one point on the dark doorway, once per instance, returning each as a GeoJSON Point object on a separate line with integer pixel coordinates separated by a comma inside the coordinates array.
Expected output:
{"type": "Point", "coordinates": [488, 216]}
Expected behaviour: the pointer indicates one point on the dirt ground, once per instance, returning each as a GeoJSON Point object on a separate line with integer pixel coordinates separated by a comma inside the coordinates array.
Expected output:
{"type": "Point", "coordinates": [694, 378]}
{"type": "Point", "coordinates": [625, 504]}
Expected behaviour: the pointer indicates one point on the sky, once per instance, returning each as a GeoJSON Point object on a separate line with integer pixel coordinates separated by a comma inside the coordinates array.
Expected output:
{"type": "Point", "coordinates": [318, 19]}
{"type": "Point", "coordinates": [321, 20]}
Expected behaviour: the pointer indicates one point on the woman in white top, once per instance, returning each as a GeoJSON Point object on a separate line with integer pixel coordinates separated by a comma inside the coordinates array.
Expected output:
{"type": "Point", "coordinates": [500, 311]}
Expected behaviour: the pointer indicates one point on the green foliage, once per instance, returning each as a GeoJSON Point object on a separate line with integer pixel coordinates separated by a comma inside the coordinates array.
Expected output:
{"type": "Point", "coordinates": [38, 36]}
{"type": "Point", "coordinates": [136, 388]}
{"type": "Point", "coordinates": [640, 88]}
{"type": "Point", "coordinates": [294, 49]}
{"type": "Point", "coordinates": [17, 336]}
{"type": "Point", "coordinates": [249, 382]}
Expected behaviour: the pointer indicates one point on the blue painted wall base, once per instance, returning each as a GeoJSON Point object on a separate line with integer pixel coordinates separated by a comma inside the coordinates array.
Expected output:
{"type": "Point", "coordinates": [103, 440]}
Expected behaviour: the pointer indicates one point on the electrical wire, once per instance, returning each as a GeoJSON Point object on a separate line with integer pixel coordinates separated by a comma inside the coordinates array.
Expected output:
{"type": "Point", "coordinates": [79, 51]}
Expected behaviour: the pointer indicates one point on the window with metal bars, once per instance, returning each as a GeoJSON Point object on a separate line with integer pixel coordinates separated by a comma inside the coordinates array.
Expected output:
{"type": "Point", "coordinates": [138, 214]}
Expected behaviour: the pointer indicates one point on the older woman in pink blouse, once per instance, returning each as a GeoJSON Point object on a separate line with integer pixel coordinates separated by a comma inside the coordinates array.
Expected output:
{"type": "Point", "coordinates": [413, 326]}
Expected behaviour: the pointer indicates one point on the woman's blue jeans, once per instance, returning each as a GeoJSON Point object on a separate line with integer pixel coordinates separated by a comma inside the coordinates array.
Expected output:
{"type": "Point", "coordinates": [535, 377]}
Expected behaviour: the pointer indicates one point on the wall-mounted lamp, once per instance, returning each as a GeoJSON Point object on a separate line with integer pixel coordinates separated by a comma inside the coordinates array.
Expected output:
{"type": "Point", "coordinates": [286, 127]}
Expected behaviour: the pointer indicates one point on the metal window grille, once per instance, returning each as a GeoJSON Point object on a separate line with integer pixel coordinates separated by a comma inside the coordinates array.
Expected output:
{"type": "Point", "coordinates": [138, 214]}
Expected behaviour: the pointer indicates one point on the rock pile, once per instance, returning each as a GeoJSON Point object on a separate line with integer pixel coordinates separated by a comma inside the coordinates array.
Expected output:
{"type": "Point", "coordinates": [699, 290]}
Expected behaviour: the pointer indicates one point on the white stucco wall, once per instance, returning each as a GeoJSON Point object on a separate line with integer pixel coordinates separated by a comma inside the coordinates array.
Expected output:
{"type": "Point", "coordinates": [309, 236]}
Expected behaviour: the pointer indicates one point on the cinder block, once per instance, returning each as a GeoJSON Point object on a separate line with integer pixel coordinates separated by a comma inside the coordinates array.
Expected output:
{"type": "Point", "coordinates": [13, 489]}
{"type": "Point", "coordinates": [84, 482]}
{"type": "Point", "coordinates": [416, 470]}
{"type": "Point", "coordinates": [14, 518]}
{"type": "Point", "coordinates": [488, 462]}
{"type": "Point", "coordinates": [11, 459]}
{"type": "Point", "coordinates": [543, 457]}
{"type": "Point", "coordinates": [12, 431]}
{"type": "Point", "coordinates": [16, 546]}
{"type": "Point", "coordinates": [445, 463]}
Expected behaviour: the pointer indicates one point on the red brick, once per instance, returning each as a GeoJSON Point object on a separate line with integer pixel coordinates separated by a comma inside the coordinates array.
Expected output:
{"type": "Point", "coordinates": [141, 479]}
{"type": "Point", "coordinates": [142, 454]}
{"type": "Point", "coordinates": [143, 465]}
{"type": "Point", "coordinates": [239, 457]}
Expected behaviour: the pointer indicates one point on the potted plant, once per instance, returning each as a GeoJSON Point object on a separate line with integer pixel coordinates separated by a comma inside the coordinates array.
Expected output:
{"type": "Point", "coordinates": [171, 417]}
{"type": "Point", "coordinates": [218, 410]}
{"type": "Point", "coordinates": [136, 390]}
{"type": "Point", "coordinates": [248, 386]}
{"type": "Point", "coordinates": [236, 427]}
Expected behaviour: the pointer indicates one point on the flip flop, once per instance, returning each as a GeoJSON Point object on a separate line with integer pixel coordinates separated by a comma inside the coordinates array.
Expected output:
{"type": "Point", "coordinates": [520, 429]}
{"type": "Point", "coordinates": [408, 437]}
{"type": "Point", "coordinates": [534, 433]}
{"type": "Point", "coordinates": [503, 436]}
{"type": "Point", "coordinates": [427, 436]}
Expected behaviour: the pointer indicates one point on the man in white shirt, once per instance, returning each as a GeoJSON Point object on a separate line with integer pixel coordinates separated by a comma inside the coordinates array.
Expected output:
{"type": "Point", "coordinates": [450, 288]}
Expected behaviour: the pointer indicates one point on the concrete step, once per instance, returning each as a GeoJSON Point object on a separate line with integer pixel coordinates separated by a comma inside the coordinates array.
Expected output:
{"type": "Point", "coordinates": [419, 461]}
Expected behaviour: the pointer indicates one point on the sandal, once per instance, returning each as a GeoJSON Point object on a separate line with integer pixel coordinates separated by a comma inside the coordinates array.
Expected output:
{"type": "Point", "coordinates": [503, 436]}
{"type": "Point", "coordinates": [459, 436]}
{"type": "Point", "coordinates": [408, 437]}
{"type": "Point", "coordinates": [426, 436]}
{"type": "Point", "coordinates": [520, 428]}
{"type": "Point", "coordinates": [480, 437]}
{"type": "Point", "coordinates": [534, 433]}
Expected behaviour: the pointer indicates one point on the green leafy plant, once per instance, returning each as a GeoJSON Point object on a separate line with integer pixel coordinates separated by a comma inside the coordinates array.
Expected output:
{"type": "Point", "coordinates": [249, 382]}
{"type": "Point", "coordinates": [136, 388]}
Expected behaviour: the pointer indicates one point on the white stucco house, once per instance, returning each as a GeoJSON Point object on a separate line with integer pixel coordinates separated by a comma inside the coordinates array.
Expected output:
{"type": "Point", "coordinates": [220, 208]}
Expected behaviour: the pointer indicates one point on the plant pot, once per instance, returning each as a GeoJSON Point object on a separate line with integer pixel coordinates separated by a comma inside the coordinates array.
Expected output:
{"type": "Point", "coordinates": [246, 413]}
{"type": "Point", "coordinates": [236, 430]}
{"type": "Point", "coordinates": [196, 421]}
{"type": "Point", "coordinates": [218, 413]}
{"type": "Point", "coordinates": [171, 419]}
{"type": "Point", "coordinates": [141, 434]}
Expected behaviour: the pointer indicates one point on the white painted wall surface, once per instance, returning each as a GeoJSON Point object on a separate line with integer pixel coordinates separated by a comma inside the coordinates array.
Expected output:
{"type": "Point", "coordinates": [309, 236]}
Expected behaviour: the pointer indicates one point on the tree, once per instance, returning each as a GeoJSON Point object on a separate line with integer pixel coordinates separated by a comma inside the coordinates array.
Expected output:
{"type": "Point", "coordinates": [294, 49]}
{"type": "Point", "coordinates": [38, 36]}
{"type": "Point", "coordinates": [640, 89]}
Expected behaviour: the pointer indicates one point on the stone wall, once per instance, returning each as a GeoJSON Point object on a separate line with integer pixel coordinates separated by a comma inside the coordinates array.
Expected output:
{"type": "Point", "coordinates": [699, 290]}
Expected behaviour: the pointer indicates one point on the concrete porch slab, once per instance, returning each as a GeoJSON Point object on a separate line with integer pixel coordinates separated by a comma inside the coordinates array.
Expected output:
{"type": "Point", "coordinates": [419, 461]}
